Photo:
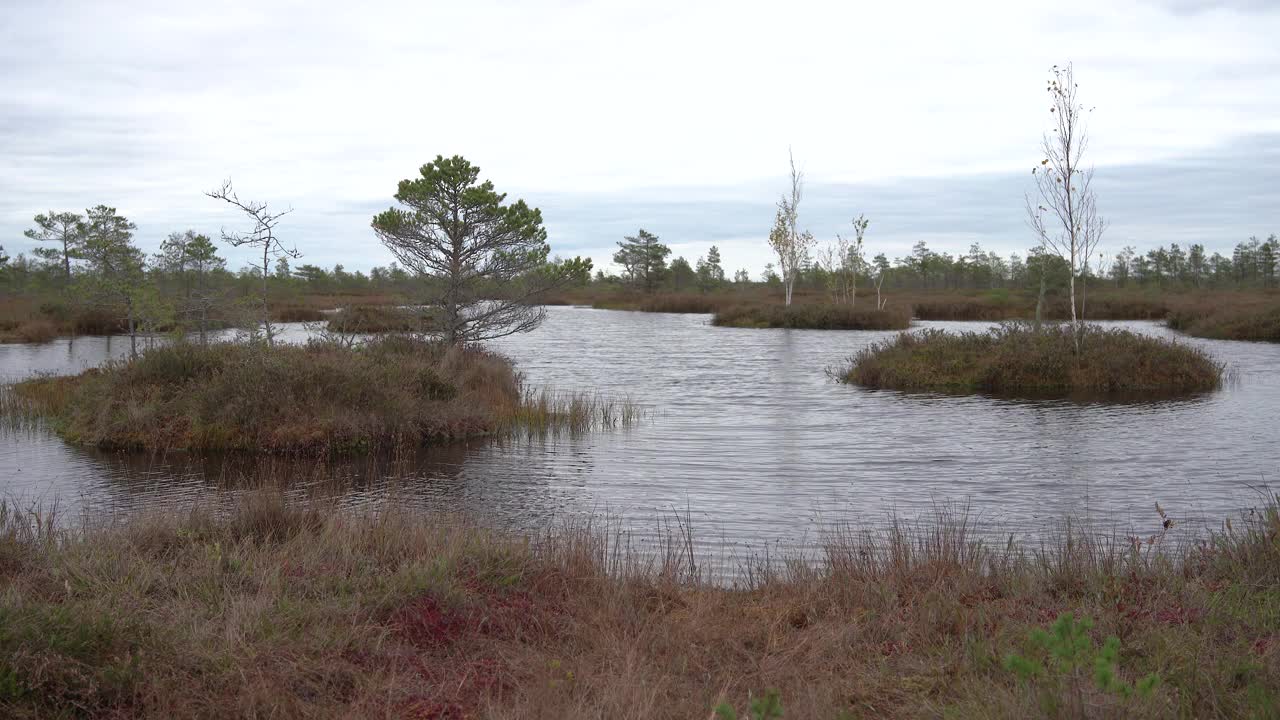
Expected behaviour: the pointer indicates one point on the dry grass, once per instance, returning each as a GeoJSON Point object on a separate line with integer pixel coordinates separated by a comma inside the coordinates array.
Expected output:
{"type": "Point", "coordinates": [1021, 357]}
{"type": "Point", "coordinates": [273, 610]}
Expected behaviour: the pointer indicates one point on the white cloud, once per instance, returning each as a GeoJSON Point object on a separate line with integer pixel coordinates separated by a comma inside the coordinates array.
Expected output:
{"type": "Point", "coordinates": [325, 105]}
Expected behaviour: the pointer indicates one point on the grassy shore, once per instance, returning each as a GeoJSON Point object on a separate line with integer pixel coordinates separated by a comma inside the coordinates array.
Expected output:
{"type": "Point", "coordinates": [1251, 321]}
{"type": "Point", "coordinates": [37, 319]}
{"type": "Point", "coordinates": [273, 610]}
{"type": "Point", "coordinates": [813, 317]}
{"type": "Point", "coordinates": [965, 305]}
{"type": "Point", "coordinates": [315, 399]}
{"type": "Point", "coordinates": [1021, 357]}
{"type": "Point", "coordinates": [378, 319]}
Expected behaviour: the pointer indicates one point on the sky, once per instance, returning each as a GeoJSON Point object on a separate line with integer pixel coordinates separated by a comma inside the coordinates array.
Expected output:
{"type": "Point", "coordinates": [612, 116]}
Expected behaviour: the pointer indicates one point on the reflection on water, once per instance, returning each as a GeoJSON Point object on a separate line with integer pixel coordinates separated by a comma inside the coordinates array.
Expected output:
{"type": "Point", "coordinates": [749, 437]}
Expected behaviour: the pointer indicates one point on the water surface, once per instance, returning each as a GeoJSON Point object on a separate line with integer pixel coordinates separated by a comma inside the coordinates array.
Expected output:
{"type": "Point", "coordinates": [750, 440]}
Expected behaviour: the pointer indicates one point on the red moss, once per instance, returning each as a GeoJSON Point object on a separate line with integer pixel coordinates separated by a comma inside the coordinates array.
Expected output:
{"type": "Point", "coordinates": [425, 623]}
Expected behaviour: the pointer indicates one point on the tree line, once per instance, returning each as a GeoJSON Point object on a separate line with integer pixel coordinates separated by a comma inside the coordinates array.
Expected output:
{"type": "Point", "coordinates": [480, 264]}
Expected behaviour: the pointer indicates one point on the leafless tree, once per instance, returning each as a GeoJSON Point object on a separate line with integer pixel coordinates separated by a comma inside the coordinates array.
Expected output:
{"type": "Point", "coordinates": [843, 261]}
{"type": "Point", "coordinates": [791, 245]}
{"type": "Point", "coordinates": [1063, 212]}
{"type": "Point", "coordinates": [262, 236]}
{"type": "Point", "coordinates": [829, 259]}
{"type": "Point", "coordinates": [851, 259]}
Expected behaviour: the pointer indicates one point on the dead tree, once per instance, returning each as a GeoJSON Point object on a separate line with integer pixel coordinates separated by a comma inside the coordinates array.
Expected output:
{"type": "Point", "coordinates": [261, 236]}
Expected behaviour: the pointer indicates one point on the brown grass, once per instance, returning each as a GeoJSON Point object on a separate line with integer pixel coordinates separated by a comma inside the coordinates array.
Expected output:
{"type": "Point", "coordinates": [273, 610]}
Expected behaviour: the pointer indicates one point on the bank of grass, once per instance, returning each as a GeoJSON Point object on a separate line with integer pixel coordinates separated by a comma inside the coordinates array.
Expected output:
{"type": "Point", "coordinates": [290, 611]}
{"type": "Point", "coordinates": [379, 319]}
{"type": "Point", "coordinates": [320, 398]}
{"type": "Point", "coordinates": [1254, 321]}
{"type": "Point", "coordinates": [28, 331]}
{"type": "Point", "coordinates": [25, 319]}
{"type": "Point", "coordinates": [813, 316]}
{"type": "Point", "coordinates": [1019, 357]}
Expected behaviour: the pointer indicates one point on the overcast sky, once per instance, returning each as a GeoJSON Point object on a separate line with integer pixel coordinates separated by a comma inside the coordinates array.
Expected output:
{"type": "Point", "coordinates": [610, 116]}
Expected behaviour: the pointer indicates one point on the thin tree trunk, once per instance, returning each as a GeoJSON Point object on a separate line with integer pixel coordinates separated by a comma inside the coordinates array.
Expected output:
{"type": "Point", "coordinates": [133, 334]}
{"type": "Point", "coordinates": [1040, 298]}
{"type": "Point", "coordinates": [266, 308]}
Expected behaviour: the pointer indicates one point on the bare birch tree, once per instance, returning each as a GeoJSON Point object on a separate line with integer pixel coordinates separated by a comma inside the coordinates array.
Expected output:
{"type": "Point", "coordinates": [261, 236]}
{"type": "Point", "coordinates": [852, 260]}
{"type": "Point", "coordinates": [1063, 212]}
{"type": "Point", "coordinates": [791, 245]}
{"type": "Point", "coordinates": [842, 262]}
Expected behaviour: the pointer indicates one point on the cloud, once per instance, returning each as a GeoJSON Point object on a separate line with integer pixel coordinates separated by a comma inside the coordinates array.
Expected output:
{"type": "Point", "coordinates": [614, 115]}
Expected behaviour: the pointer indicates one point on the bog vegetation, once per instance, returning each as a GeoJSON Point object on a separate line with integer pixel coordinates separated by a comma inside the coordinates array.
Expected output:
{"type": "Point", "coordinates": [277, 609]}
{"type": "Point", "coordinates": [188, 288]}
{"type": "Point", "coordinates": [321, 398]}
{"type": "Point", "coordinates": [812, 316]}
{"type": "Point", "coordinates": [1023, 357]}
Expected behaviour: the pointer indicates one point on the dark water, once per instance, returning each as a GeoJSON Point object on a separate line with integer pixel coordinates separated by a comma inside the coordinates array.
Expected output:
{"type": "Point", "coordinates": [751, 441]}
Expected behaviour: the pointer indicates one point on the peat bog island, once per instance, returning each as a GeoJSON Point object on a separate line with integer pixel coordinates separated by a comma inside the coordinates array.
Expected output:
{"type": "Point", "coordinates": [590, 361]}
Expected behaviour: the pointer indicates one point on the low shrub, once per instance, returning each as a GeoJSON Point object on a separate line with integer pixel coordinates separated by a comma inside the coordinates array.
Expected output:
{"type": "Point", "coordinates": [813, 317]}
{"type": "Point", "coordinates": [1021, 357]}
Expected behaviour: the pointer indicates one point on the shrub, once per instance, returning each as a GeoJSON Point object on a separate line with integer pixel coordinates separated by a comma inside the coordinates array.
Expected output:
{"type": "Point", "coordinates": [812, 317]}
{"type": "Point", "coordinates": [1021, 357]}
{"type": "Point", "coordinates": [1063, 657]}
